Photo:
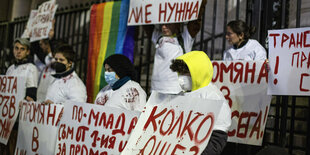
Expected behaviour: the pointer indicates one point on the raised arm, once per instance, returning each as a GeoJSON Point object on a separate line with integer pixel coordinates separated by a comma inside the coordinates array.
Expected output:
{"type": "Point", "coordinates": [195, 25]}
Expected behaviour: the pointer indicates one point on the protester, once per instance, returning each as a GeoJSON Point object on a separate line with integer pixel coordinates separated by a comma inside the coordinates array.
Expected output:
{"type": "Point", "coordinates": [243, 48]}
{"type": "Point", "coordinates": [23, 67]}
{"type": "Point", "coordinates": [66, 86]}
{"type": "Point", "coordinates": [46, 77]}
{"type": "Point", "coordinates": [171, 42]}
{"type": "Point", "coordinates": [195, 72]}
{"type": "Point", "coordinates": [122, 91]}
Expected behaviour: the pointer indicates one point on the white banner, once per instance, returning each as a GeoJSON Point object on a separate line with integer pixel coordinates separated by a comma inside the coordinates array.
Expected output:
{"type": "Point", "coordinates": [37, 128]}
{"type": "Point", "coordinates": [289, 57]}
{"type": "Point", "coordinates": [244, 85]}
{"type": "Point", "coordinates": [42, 23]}
{"type": "Point", "coordinates": [174, 124]}
{"type": "Point", "coordinates": [94, 129]}
{"type": "Point", "coordinates": [12, 91]}
{"type": "Point", "coordinates": [162, 11]}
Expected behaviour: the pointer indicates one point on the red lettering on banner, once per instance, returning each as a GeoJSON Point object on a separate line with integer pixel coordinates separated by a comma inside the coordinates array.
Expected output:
{"type": "Point", "coordinates": [137, 14]}
{"type": "Point", "coordinates": [78, 149]}
{"type": "Point", "coordinates": [152, 118]}
{"type": "Point", "coordinates": [292, 41]}
{"type": "Point", "coordinates": [305, 39]}
{"type": "Point", "coordinates": [147, 13]}
{"type": "Point", "coordinates": [178, 122]}
{"type": "Point", "coordinates": [51, 114]}
{"type": "Point", "coordinates": [245, 126]}
{"type": "Point", "coordinates": [263, 73]}
{"type": "Point", "coordinates": [5, 128]}
{"type": "Point", "coordinates": [8, 84]}
{"type": "Point", "coordinates": [121, 146]}
{"type": "Point", "coordinates": [256, 126]}
{"type": "Point", "coordinates": [65, 132]}
{"type": "Point", "coordinates": [178, 147]}
{"type": "Point", "coordinates": [61, 149]}
{"type": "Point", "coordinates": [35, 142]}
{"type": "Point", "coordinates": [161, 131]}
{"type": "Point", "coordinates": [226, 70]}
{"type": "Point", "coordinates": [284, 39]}
{"type": "Point", "coordinates": [171, 10]}
{"type": "Point", "coordinates": [8, 108]}
{"type": "Point", "coordinates": [300, 59]}
{"type": "Point", "coordinates": [80, 134]}
{"type": "Point", "coordinates": [132, 125]}
{"type": "Point", "coordinates": [301, 88]}
{"type": "Point", "coordinates": [194, 149]}
{"type": "Point", "coordinates": [227, 96]}
{"type": "Point", "coordinates": [233, 114]}
{"type": "Point", "coordinates": [121, 118]}
{"type": "Point", "coordinates": [295, 39]}
{"type": "Point", "coordinates": [239, 70]}
{"type": "Point", "coordinates": [186, 128]}
{"type": "Point", "coordinates": [162, 11]}
{"type": "Point", "coordinates": [248, 70]}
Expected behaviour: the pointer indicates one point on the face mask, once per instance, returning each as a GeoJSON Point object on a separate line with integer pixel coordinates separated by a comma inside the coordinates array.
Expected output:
{"type": "Point", "coordinates": [110, 77]}
{"type": "Point", "coordinates": [59, 67]}
{"type": "Point", "coordinates": [185, 82]}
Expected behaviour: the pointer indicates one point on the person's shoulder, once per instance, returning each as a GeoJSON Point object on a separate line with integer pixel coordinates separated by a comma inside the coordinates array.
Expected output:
{"type": "Point", "coordinates": [213, 92]}
{"type": "Point", "coordinates": [253, 42]}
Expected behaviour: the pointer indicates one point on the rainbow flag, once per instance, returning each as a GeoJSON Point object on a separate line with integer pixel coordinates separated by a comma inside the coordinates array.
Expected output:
{"type": "Point", "coordinates": [108, 35]}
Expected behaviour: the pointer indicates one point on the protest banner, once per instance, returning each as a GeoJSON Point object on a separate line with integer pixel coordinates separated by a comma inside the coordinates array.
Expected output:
{"type": "Point", "coordinates": [174, 124]}
{"type": "Point", "coordinates": [244, 85]}
{"type": "Point", "coordinates": [94, 129]}
{"type": "Point", "coordinates": [289, 57]}
{"type": "Point", "coordinates": [12, 91]}
{"type": "Point", "coordinates": [38, 128]}
{"type": "Point", "coordinates": [42, 23]}
{"type": "Point", "coordinates": [28, 30]}
{"type": "Point", "coordinates": [162, 11]}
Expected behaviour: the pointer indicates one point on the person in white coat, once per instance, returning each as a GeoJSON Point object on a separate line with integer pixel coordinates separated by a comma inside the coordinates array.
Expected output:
{"type": "Point", "coordinates": [122, 91]}
{"type": "Point", "coordinates": [243, 48]}
{"type": "Point", "coordinates": [24, 67]}
{"type": "Point", "coordinates": [66, 85]}
{"type": "Point", "coordinates": [170, 42]}
{"type": "Point", "coordinates": [195, 73]}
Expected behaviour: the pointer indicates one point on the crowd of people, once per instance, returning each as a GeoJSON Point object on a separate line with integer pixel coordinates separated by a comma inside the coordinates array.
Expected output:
{"type": "Point", "coordinates": [48, 66]}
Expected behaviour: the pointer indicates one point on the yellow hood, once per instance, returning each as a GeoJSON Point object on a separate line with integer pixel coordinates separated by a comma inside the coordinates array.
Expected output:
{"type": "Point", "coordinates": [200, 68]}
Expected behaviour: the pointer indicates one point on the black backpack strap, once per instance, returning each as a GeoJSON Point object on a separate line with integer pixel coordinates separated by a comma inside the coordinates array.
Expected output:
{"type": "Point", "coordinates": [181, 42]}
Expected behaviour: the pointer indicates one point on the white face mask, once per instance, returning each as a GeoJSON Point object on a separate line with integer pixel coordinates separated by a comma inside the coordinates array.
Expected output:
{"type": "Point", "coordinates": [185, 82]}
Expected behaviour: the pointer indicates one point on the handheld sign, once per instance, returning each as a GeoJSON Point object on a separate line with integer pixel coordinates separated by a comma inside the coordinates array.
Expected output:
{"type": "Point", "coordinates": [12, 91]}
{"type": "Point", "coordinates": [41, 23]}
{"type": "Point", "coordinates": [162, 11]}
{"type": "Point", "coordinates": [38, 128]}
{"type": "Point", "coordinates": [289, 57]}
{"type": "Point", "coordinates": [94, 129]}
{"type": "Point", "coordinates": [28, 30]}
{"type": "Point", "coordinates": [174, 124]}
{"type": "Point", "coordinates": [244, 85]}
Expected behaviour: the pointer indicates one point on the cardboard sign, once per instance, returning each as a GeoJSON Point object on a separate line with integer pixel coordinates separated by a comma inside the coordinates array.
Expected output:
{"type": "Point", "coordinates": [289, 57]}
{"type": "Point", "coordinates": [174, 124]}
{"type": "Point", "coordinates": [12, 91]}
{"type": "Point", "coordinates": [37, 130]}
{"type": "Point", "coordinates": [94, 129]}
{"type": "Point", "coordinates": [28, 30]}
{"type": "Point", "coordinates": [162, 11]}
{"type": "Point", "coordinates": [244, 85]}
{"type": "Point", "coordinates": [41, 24]}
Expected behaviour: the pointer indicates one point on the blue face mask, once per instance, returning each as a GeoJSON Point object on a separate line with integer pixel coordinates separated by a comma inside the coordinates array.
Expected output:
{"type": "Point", "coordinates": [110, 78]}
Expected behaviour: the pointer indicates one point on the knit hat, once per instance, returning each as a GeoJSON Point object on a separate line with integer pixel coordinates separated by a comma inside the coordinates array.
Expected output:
{"type": "Point", "coordinates": [22, 41]}
{"type": "Point", "coordinates": [121, 65]}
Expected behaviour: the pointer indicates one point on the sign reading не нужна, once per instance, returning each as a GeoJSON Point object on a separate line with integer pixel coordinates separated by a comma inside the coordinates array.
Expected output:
{"type": "Point", "coordinates": [162, 11]}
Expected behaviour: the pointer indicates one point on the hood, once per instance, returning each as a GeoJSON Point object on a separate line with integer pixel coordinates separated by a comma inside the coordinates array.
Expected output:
{"type": "Point", "coordinates": [200, 68]}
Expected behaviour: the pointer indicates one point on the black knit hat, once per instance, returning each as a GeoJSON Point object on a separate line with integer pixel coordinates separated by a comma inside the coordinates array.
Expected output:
{"type": "Point", "coordinates": [121, 65]}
